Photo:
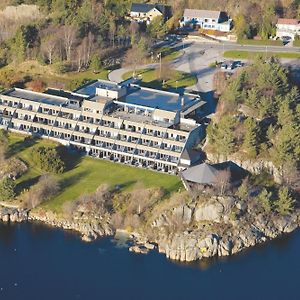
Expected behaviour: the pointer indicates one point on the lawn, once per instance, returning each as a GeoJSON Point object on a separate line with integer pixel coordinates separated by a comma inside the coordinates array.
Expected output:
{"type": "Point", "coordinates": [167, 54]}
{"type": "Point", "coordinates": [261, 42]}
{"type": "Point", "coordinates": [85, 174]}
{"type": "Point", "coordinates": [236, 54]}
{"type": "Point", "coordinates": [149, 78]}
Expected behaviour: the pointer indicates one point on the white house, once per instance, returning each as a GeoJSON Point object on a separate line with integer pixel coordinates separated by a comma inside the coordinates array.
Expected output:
{"type": "Point", "coordinates": [207, 19]}
{"type": "Point", "coordinates": [288, 28]}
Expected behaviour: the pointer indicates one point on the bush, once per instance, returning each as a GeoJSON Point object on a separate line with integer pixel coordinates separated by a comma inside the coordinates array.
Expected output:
{"type": "Point", "coordinates": [46, 188]}
{"type": "Point", "coordinates": [7, 189]}
{"type": "Point", "coordinates": [48, 159]}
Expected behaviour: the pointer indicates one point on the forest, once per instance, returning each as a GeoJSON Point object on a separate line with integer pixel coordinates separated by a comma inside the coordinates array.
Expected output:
{"type": "Point", "coordinates": [80, 35]}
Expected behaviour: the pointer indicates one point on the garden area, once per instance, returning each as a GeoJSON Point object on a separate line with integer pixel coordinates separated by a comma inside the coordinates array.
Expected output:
{"type": "Point", "coordinates": [81, 174]}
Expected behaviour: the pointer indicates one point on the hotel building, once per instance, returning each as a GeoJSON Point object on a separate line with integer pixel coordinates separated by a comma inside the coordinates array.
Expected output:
{"type": "Point", "coordinates": [120, 122]}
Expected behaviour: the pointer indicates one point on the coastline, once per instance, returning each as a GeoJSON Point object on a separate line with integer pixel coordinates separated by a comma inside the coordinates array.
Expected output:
{"type": "Point", "coordinates": [182, 245]}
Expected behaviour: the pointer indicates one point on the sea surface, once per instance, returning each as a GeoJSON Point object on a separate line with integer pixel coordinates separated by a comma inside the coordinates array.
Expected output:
{"type": "Point", "coordinates": [38, 262]}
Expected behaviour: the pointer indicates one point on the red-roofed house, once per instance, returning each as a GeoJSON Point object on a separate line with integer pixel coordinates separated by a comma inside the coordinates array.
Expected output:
{"type": "Point", "coordinates": [288, 28]}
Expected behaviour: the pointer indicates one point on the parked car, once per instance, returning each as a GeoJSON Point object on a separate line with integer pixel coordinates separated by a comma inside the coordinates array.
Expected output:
{"type": "Point", "coordinates": [239, 64]}
{"type": "Point", "coordinates": [224, 66]}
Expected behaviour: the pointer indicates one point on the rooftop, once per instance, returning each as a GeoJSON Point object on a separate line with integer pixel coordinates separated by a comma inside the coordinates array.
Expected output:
{"type": "Point", "coordinates": [89, 89]}
{"type": "Point", "coordinates": [144, 7]}
{"type": "Point", "coordinates": [197, 13]}
{"type": "Point", "coordinates": [158, 99]}
{"type": "Point", "coordinates": [37, 97]}
{"type": "Point", "coordinates": [288, 21]}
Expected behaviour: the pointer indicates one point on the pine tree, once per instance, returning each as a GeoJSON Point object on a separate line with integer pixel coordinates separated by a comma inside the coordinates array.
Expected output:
{"type": "Point", "coordinates": [250, 138]}
{"type": "Point", "coordinates": [7, 189]}
{"type": "Point", "coordinates": [264, 199]}
{"type": "Point", "coordinates": [284, 205]}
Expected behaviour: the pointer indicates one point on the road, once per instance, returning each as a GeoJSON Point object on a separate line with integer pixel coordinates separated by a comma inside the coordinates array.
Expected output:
{"type": "Point", "coordinates": [197, 57]}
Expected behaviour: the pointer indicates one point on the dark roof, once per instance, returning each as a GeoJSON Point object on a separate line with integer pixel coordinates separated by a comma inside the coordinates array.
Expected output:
{"type": "Point", "coordinates": [144, 7]}
{"type": "Point", "coordinates": [203, 174]}
{"type": "Point", "coordinates": [191, 155]}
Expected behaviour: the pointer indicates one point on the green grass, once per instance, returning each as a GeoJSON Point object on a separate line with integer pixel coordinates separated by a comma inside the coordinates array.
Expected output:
{"type": "Point", "coordinates": [237, 54]}
{"type": "Point", "coordinates": [179, 81]}
{"type": "Point", "coordinates": [85, 174]}
{"type": "Point", "coordinates": [260, 42]}
{"type": "Point", "coordinates": [167, 54]}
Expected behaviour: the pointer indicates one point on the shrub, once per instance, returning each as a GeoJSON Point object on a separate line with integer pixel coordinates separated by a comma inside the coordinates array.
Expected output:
{"type": "Point", "coordinates": [46, 188]}
{"type": "Point", "coordinates": [48, 159]}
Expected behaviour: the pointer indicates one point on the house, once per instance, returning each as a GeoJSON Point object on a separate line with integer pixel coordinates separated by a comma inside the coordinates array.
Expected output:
{"type": "Point", "coordinates": [145, 13]}
{"type": "Point", "coordinates": [207, 19]}
{"type": "Point", "coordinates": [121, 122]}
{"type": "Point", "coordinates": [287, 28]}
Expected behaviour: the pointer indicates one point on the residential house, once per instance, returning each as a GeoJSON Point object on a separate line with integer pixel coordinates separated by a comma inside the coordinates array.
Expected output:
{"type": "Point", "coordinates": [207, 19]}
{"type": "Point", "coordinates": [287, 28]}
{"type": "Point", "coordinates": [145, 13]}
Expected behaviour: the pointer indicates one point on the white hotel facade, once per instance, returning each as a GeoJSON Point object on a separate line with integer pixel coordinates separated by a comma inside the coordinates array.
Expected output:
{"type": "Point", "coordinates": [119, 122]}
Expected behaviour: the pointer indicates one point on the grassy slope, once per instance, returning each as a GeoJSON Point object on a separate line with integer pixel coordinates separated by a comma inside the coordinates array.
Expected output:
{"type": "Point", "coordinates": [85, 174]}
{"type": "Point", "coordinates": [48, 74]}
{"type": "Point", "coordinates": [149, 79]}
{"type": "Point", "coordinates": [248, 54]}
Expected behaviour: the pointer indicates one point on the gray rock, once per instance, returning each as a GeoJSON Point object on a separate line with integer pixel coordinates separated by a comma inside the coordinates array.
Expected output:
{"type": "Point", "coordinates": [209, 212]}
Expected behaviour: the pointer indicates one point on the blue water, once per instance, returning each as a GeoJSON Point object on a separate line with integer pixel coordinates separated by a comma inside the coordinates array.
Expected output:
{"type": "Point", "coordinates": [37, 262]}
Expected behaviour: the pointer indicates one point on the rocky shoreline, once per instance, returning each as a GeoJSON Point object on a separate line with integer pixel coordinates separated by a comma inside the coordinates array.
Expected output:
{"type": "Point", "coordinates": [206, 229]}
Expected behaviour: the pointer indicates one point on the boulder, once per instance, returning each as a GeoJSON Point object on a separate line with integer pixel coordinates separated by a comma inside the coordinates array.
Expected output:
{"type": "Point", "coordinates": [138, 249]}
{"type": "Point", "coordinates": [209, 212]}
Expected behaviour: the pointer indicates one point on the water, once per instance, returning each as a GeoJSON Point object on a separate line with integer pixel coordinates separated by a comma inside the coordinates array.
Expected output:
{"type": "Point", "coordinates": [40, 263]}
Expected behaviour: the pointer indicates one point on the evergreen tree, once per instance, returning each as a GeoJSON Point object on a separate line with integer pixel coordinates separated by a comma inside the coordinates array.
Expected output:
{"type": "Point", "coordinates": [264, 199]}
{"type": "Point", "coordinates": [284, 205]}
{"type": "Point", "coordinates": [250, 138]}
{"type": "Point", "coordinates": [7, 189]}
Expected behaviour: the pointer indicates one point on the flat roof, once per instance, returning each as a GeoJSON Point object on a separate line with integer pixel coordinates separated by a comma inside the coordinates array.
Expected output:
{"type": "Point", "coordinates": [157, 99]}
{"type": "Point", "coordinates": [37, 97]}
{"type": "Point", "coordinates": [89, 89]}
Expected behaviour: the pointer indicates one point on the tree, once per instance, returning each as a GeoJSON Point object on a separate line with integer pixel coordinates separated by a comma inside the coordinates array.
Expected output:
{"type": "Point", "coordinates": [134, 57]}
{"type": "Point", "coordinates": [49, 42]}
{"type": "Point", "coordinates": [18, 45]}
{"type": "Point", "coordinates": [48, 159]}
{"type": "Point", "coordinates": [250, 138]}
{"type": "Point", "coordinates": [157, 28]}
{"type": "Point", "coordinates": [264, 199]}
{"type": "Point", "coordinates": [46, 188]}
{"type": "Point", "coordinates": [284, 205]}
{"type": "Point", "coordinates": [221, 135]}
{"type": "Point", "coordinates": [69, 34]}
{"type": "Point", "coordinates": [223, 181]}
{"type": "Point", "coordinates": [243, 190]}
{"type": "Point", "coordinates": [95, 64]}
{"type": "Point", "coordinates": [7, 189]}
{"type": "Point", "coordinates": [164, 72]}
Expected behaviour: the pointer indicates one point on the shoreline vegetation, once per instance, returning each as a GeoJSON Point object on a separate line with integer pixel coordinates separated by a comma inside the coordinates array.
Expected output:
{"type": "Point", "coordinates": [152, 209]}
